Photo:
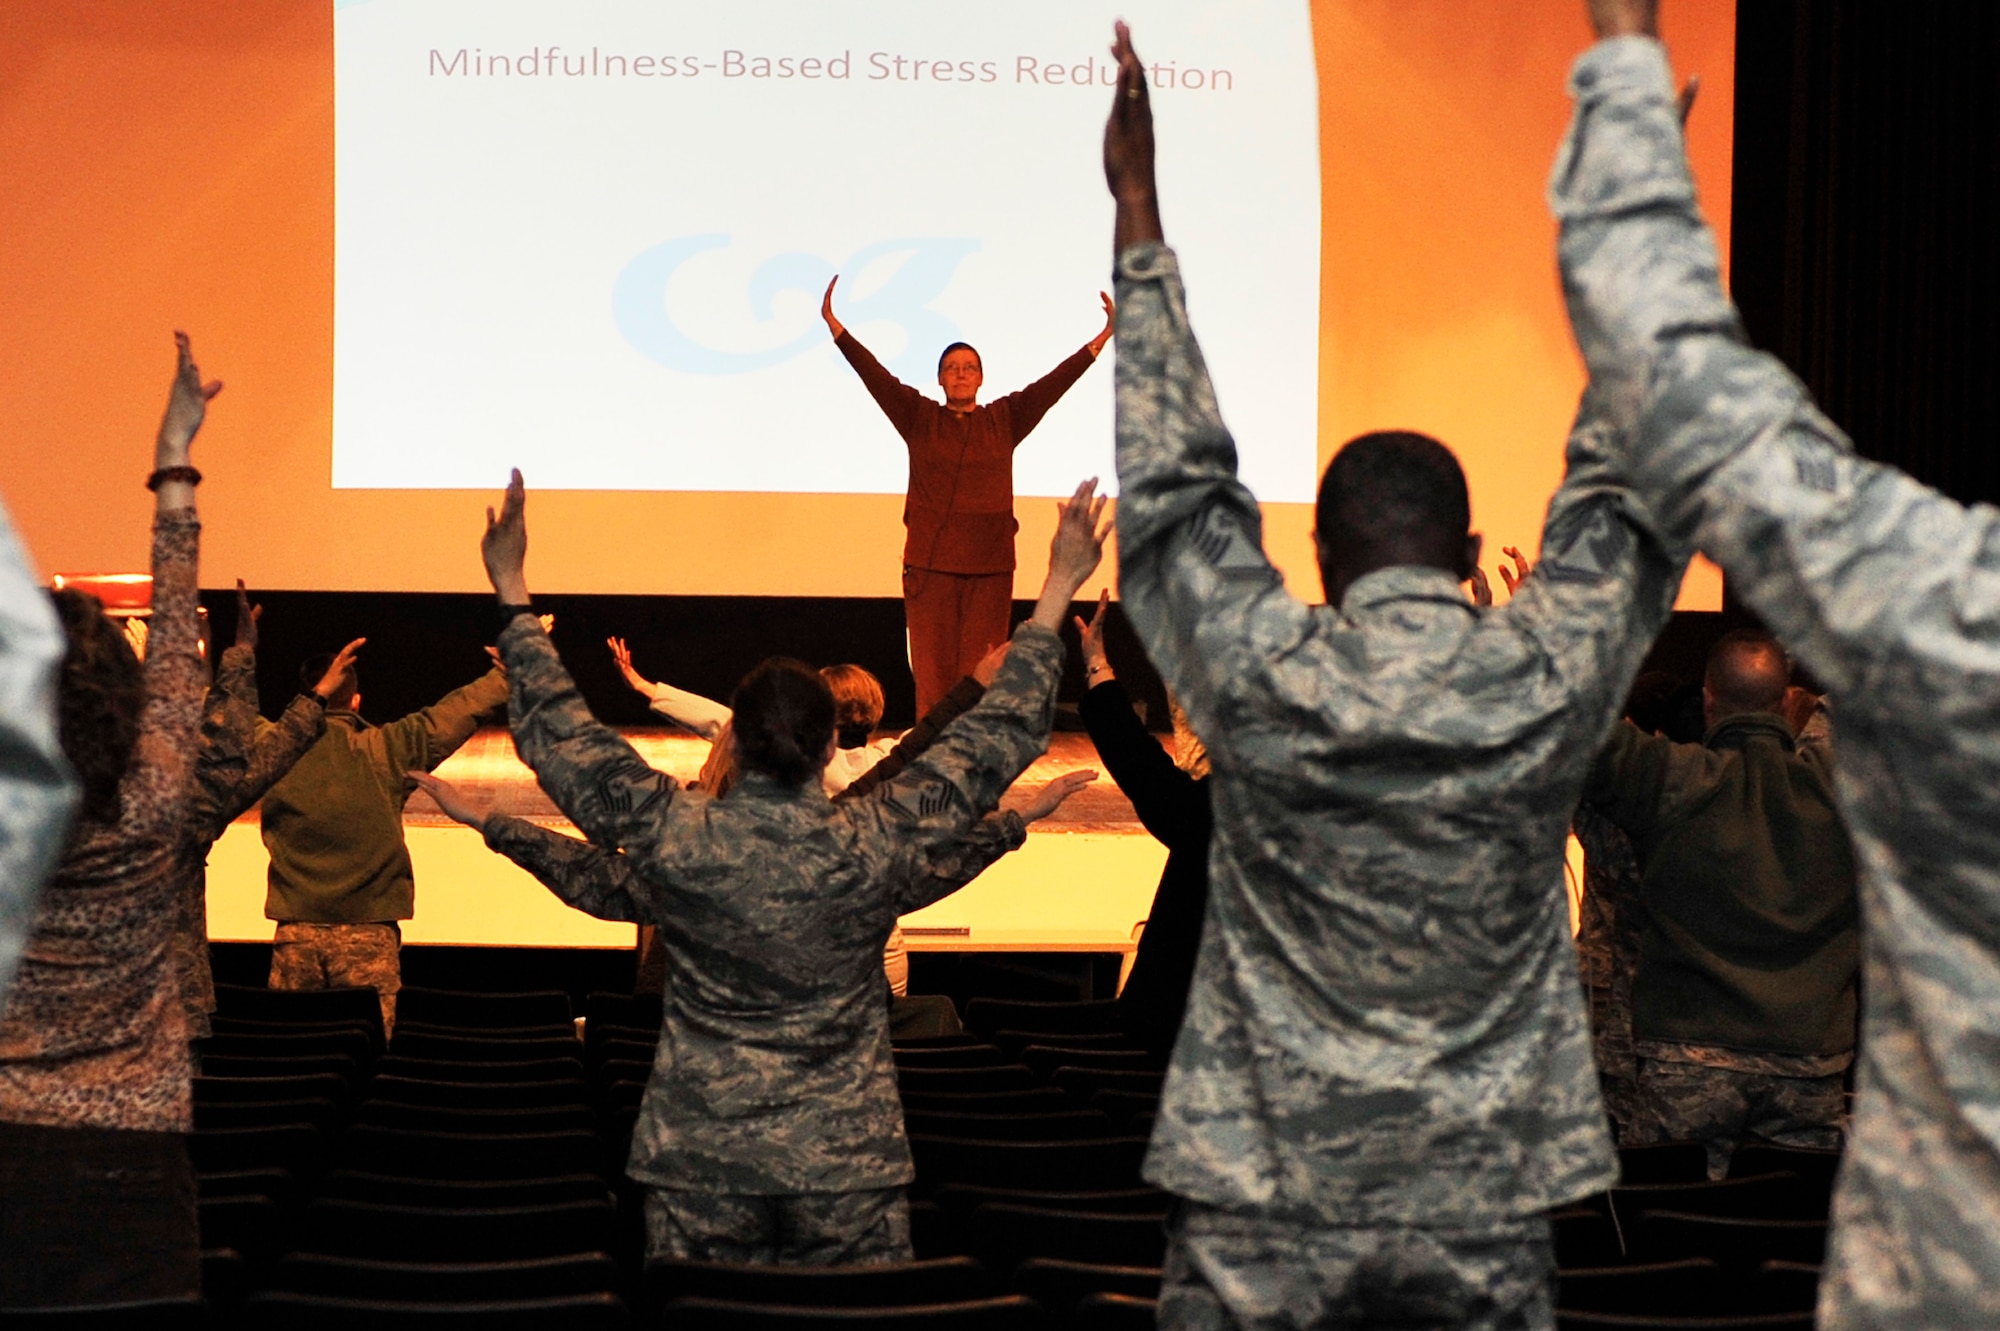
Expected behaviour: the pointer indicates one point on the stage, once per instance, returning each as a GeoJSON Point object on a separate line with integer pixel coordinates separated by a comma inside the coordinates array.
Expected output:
{"type": "Point", "coordinates": [1081, 884]}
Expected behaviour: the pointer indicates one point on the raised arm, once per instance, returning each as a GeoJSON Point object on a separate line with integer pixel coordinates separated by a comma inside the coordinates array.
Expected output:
{"type": "Point", "coordinates": [1854, 565]}
{"type": "Point", "coordinates": [1192, 574]}
{"type": "Point", "coordinates": [592, 774]}
{"type": "Point", "coordinates": [1026, 407]}
{"type": "Point", "coordinates": [169, 723]}
{"type": "Point", "coordinates": [978, 756]}
{"type": "Point", "coordinates": [902, 404]}
{"type": "Point", "coordinates": [599, 882]}
{"type": "Point", "coordinates": [426, 738]}
{"type": "Point", "coordinates": [1166, 799]}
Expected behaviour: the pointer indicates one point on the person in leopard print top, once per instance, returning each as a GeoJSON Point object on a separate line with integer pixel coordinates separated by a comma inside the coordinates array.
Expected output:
{"type": "Point", "coordinates": [97, 1200]}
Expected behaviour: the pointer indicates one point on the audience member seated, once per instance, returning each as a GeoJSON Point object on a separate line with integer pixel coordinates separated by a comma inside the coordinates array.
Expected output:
{"type": "Point", "coordinates": [340, 877]}
{"type": "Point", "coordinates": [1172, 802]}
{"type": "Point", "coordinates": [97, 1201]}
{"type": "Point", "coordinates": [771, 1129]}
{"type": "Point", "coordinates": [240, 757]}
{"type": "Point", "coordinates": [1743, 1006]}
{"type": "Point", "coordinates": [37, 792]}
{"type": "Point", "coordinates": [1888, 593]}
{"type": "Point", "coordinates": [1383, 1079]}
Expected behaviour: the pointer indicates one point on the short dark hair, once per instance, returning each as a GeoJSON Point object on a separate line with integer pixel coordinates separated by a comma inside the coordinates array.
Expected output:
{"type": "Point", "coordinates": [1748, 671]}
{"type": "Point", "coordinates": [314, 668]}
{"type": "Point", "coordinates": [99, 695]}
{"type": "Point", "coordinates": [1391, 482]}
{"type": "Point", "coordinates": [783, 720]}
{"type": "Point", "coordinates": [961, 346]}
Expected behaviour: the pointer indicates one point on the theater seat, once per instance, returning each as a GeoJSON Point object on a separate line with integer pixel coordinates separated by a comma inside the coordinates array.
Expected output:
{"type": "Point", "coordinates": [454, 1007]}
{"type": "Point", "coordinates": [990, 1016]}
{"type": "Point", "coordinates": [901, 1284]}
{"type": "Point", "coordinates": [1576, 1321]}
{"type": "Point", "coordinates": [182, 1314]}
{"type": "Point", "coordinates": [446, 1282]}
{"type": "Point", "coordinates": [1691, 1287]}
{"type": "Point", "coordinates": [1104, 1164]}
{"type": "Point", "coordinates": [1012, 1313]}
{"type": "Point", "coordinates": [1114, 1312]}
{"type": "Point", "coordinates": [1664, 1236]}
{"type": "Point", "coordinates": [1059, 1284]}
{"type": "Point", "coordinates": [280, 1310]}
{"type": "Point", "coordinates": [458, 1234]}
{"type": "Point", "coordinates": [1003, 1236]}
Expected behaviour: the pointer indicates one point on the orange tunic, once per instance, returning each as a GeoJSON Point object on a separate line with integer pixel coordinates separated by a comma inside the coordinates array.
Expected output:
{"type": "Point", "coordinates": [960, 509]}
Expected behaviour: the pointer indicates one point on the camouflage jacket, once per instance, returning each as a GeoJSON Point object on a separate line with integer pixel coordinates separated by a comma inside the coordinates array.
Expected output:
{"type": "Point", "coordinates": [1888, 592]}
{"type": "Point", "coordinates": [605, 884]}
{"type": "Point", "coordinates": [1386, 1023]}
{"type": "Point", "coordinates": [241, 757]}
{"type": "Point", "coordinates": [37, 793]}
{"type": "Point", "coordinates": [773, 1073]}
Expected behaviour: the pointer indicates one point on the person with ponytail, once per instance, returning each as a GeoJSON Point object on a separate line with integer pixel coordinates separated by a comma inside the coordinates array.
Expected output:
{"type": "Point", "coordinates": [771, 1130]}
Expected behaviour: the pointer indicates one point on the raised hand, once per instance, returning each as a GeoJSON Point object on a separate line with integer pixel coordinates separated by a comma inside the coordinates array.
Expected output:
{"type": "Point", "coordinates": [1078, 545]}
{"type": "Point", "coordinates": [456, 804]}
{"type": "Point", "coordinates": [1091, 636]}
{"type": "Point", "coordinates": [247, 616]}
{"type": "Point", "coordinates": [1110, 323]}
{"type": "Point", "coordinates": [1073, 554]}
{"type": "Point", "coordinates": [621, 655]}
{"type": "Point", "coordinates": [187, 407]}
{"type": "Point", "coordinates": [1482, 590]}
{"type": "Point", "coordinates": [833, 325]}
{"type": "Point", "coordinates": [989, 665]}
{"type": "Point", "coordinates": [1519, 573]}
{"type": "Point", "coordinates": [1051, 797]}
{"type": "Point", "coordinates": [504, 547]}
{"type": "Point", "coordinates": [337, 671]}
{"type": "Point", "coordinates": [1128, 149]}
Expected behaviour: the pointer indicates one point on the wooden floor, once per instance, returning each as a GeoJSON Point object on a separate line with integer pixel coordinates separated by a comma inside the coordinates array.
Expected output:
{"type": "Point", "coordinates": [487, 767]}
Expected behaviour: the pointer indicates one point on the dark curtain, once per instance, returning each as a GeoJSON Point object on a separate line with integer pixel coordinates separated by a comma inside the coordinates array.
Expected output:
{"type": "Point", "coordinates": [1864, 220]}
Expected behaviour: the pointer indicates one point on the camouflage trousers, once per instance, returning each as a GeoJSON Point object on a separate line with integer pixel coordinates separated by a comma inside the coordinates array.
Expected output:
{"type": "Point", "coordinates": [1225, 1270]}
{"type": "Point", "coordinates": [336, 956]}
{"type": "Point", "coordinates": [800, 1229]}
{"type": "Point", "coordinates": [1722, 1106]}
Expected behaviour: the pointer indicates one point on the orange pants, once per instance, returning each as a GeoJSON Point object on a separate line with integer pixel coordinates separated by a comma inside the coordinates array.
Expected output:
{"type": "Point", "coordinates": [954, 619]}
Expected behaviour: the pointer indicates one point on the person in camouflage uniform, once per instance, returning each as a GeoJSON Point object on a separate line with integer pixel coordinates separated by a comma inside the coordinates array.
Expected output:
{"type": "Point", "coordinates": [1384, 1076]}
{"type": "Point", "coordinates": [1607, 952]}
{"type": "Point", "coordinates": [771, 1129]}
{"type": "Point", "coordinates": [241, 757]}
{"type": "Point", "coordinates": [37, 790]}
{"type": "Point", "coordinates": [1889, 593]}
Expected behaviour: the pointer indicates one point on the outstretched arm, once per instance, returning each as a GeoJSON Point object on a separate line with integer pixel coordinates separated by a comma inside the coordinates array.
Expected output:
{"type": "Point", "coordinates": [593, 775]}
{"type": "Point", "coordinates": [594, 880]}
{"type": "Point", "coordinates": [902, 404]}
{"type": "Point", "coordinates": [1855, 566]}
{"type": "Point", "coordinates": [1193, 576]}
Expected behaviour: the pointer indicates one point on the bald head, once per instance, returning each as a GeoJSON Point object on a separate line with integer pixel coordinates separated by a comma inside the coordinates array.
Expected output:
{"type": "Point", "coordinates": [1747, 672]}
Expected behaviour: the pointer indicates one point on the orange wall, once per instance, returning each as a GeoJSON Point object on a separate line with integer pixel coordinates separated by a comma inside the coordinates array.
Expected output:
{"type": "Point", "coordinates": [171, 167]}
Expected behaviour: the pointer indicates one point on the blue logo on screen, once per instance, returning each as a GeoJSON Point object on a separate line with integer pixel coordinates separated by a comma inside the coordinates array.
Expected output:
{"type": "Point", "coordinates": [639, 303]}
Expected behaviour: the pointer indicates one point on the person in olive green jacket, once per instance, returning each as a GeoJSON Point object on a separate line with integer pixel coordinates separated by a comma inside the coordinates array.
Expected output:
{"type": "Point", "coordinates": [1743, 1007]}
{"type": "Point", "coordinates": [340, 876]}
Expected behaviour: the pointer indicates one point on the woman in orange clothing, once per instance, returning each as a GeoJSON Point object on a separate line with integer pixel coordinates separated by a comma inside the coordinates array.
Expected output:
{"type": "Point", "coordinates": [958, 556]}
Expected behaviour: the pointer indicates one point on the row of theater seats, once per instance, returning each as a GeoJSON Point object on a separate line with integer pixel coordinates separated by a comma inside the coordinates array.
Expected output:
{"type": "Point", "coordinates": [472, 1170]}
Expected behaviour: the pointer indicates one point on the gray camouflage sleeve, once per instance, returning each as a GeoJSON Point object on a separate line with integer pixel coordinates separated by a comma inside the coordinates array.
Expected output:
{"type": "Point", "coordinates": [955, 863]}
{"type": "Point", "coordinates": [1192, 574]}
{"type": "Point", "coordinates": [593, 775]}
{"type": "Point", "coordinates": [938, 799]}
{"type": "Point", "coordinates": [596, 881]}
{"type": "Point", "coordinates": [1853, 564]}
{"type": "Point", "coordinates": [37, 791]}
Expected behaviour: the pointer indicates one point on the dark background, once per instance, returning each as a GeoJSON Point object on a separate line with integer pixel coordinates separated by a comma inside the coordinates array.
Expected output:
{"type": "Point", "coordinates": [1867, 138]}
